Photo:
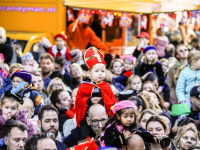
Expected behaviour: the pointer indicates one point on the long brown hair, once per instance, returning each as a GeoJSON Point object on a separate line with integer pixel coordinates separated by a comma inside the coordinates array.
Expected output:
{"type": "Point", "coordinates": [156, 118]}
{"type": "Point", "coordinates": [193, 55]}
{"type": "Point", "coordinates": [162, 102]}
{"type": "Point", "coordinates": [150, 100]}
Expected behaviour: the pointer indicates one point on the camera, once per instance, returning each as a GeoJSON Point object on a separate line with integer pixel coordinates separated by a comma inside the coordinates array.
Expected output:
{"type": "Point", "coordinates": [164, 142]}
{"type": "Point", "coordinates": [148, 137]}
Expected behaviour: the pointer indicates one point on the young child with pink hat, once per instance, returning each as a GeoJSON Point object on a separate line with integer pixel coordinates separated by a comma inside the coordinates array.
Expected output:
{"type": "Point", "coordinates": [118, 129]}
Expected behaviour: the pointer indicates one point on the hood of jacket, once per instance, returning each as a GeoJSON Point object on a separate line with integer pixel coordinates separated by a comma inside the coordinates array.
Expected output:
{"type": "Point", "coordinates": [162, 38]}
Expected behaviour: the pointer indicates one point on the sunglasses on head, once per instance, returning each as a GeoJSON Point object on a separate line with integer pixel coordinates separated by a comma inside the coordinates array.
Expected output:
{"type": "Point", "coordinates": [183, 50]}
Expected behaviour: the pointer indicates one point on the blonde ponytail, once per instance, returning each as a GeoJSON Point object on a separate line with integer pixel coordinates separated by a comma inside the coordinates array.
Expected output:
{"type": "Point", "coordinates": [192, 55]}
{"type": "Point", "coordinates": [179, 71]}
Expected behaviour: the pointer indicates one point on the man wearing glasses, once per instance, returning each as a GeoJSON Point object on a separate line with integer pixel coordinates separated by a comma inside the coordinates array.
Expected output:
{"type": "Point", "coordinates": [181, 53]}
{"type": "Point", "coordinates": [96, 119]}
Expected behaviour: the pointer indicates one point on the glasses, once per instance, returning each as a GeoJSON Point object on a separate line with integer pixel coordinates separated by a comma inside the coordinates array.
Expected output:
{"type": "Point", "coordinates": [96, 122]}
{"type": "Point", "coordinates": [183, 50]}
{"type": "Point", "coordinates": [56, 85]}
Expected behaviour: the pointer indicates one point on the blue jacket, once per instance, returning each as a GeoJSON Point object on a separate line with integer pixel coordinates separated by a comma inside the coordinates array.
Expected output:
{"type": "Point", "coordinates": [46, 82]}
{"type": "Point", "coordinates": [6, 85]}
{"type": "Point", "coordinates": [186, 81]}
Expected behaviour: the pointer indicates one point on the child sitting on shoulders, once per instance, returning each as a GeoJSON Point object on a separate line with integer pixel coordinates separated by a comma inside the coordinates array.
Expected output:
{"type": "Point", "coordinates": [96, 91]}
{"type": "Point", "coordinates": [120, 127]}
{"type": "Point", "coordinates": [29, 63]}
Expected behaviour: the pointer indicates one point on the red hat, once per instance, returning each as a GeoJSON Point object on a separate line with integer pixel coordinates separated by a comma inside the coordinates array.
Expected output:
{"type": "Point", "coordinates": [143, 35]}
{"type": "Point", "coordinates": [93, 56]}
{"type": "Point", "coordinates": [64, 37]}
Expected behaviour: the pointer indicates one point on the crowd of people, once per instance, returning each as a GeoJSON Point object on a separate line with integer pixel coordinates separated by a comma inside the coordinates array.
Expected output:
{"type": "Point", "coordinates": [73, 100]}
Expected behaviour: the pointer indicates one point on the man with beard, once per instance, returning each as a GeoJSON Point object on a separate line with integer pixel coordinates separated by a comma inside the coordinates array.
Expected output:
{"type": "Point", "coordinates": [181, 53]}
{"type": "Point", "coordinates": [46, 64]}
{"type": "Point", "coordinates": [63, 102]}
{"type": "Point", "coordinates": [48, 122]}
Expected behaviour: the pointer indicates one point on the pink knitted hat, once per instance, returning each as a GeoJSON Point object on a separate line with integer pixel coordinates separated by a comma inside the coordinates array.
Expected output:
{"type": "Point", "coordinates": [123, 104]}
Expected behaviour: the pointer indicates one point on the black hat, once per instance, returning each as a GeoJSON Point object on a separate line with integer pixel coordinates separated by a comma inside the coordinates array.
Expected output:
{"type": "Point", "coordinates": [165, 114]}
{"type": "Point", "coordinates": [124, 95]}
{"type": "Point", "coordinates": [15, 96]}
{"type": "Point", "coordinates": [195, 92]}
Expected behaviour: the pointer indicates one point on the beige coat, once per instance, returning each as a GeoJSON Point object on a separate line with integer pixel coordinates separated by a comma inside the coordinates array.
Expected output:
{"type": "Point", "coordinates": [171, 82]}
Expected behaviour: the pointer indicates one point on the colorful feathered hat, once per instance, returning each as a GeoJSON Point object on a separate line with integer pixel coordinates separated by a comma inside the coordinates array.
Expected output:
{"type": "Point", "coordinates": [93, 56]}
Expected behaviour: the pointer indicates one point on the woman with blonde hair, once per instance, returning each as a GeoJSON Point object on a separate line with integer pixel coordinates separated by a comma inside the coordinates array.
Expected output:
{"type": "Point", "coordinates": [186, 138]}
{"type": "Point", "coordinates": [55, 84]}
{"type": "Point", "coordinates": [188, 77]}
{"type": "Point", "coordinates": [151, 102]}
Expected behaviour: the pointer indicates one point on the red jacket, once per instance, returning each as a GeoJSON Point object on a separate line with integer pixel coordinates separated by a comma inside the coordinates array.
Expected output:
{"type": "Point", "coordinates": [85, 92]}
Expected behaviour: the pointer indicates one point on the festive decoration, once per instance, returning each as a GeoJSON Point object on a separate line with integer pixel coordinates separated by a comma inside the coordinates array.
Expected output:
{"type": "Point", "coordinates": [107, 18]}
{"type": "Point", "coordinates": [143, 24]}
{"type": "Point", "coordinates": [84, 15]}
{"type": "Point", "coordinates": [70, 14]}
{"type": "Point", "coordinates": [190, 14]}
{"type": "Point", "coordinates": [172, 20]}
{"type": "Point", "coordinates": [196, 21]}
{"type": "Point", "coordinates": [125, 20]}
{"type": "Point", "coordinates": [184, 18]}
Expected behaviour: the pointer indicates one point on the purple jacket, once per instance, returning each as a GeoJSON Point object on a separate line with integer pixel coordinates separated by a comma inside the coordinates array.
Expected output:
{"type": "Point", "coordinates": [21, 117]}
{"type": "Point", "coordinates": [160, 42]}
